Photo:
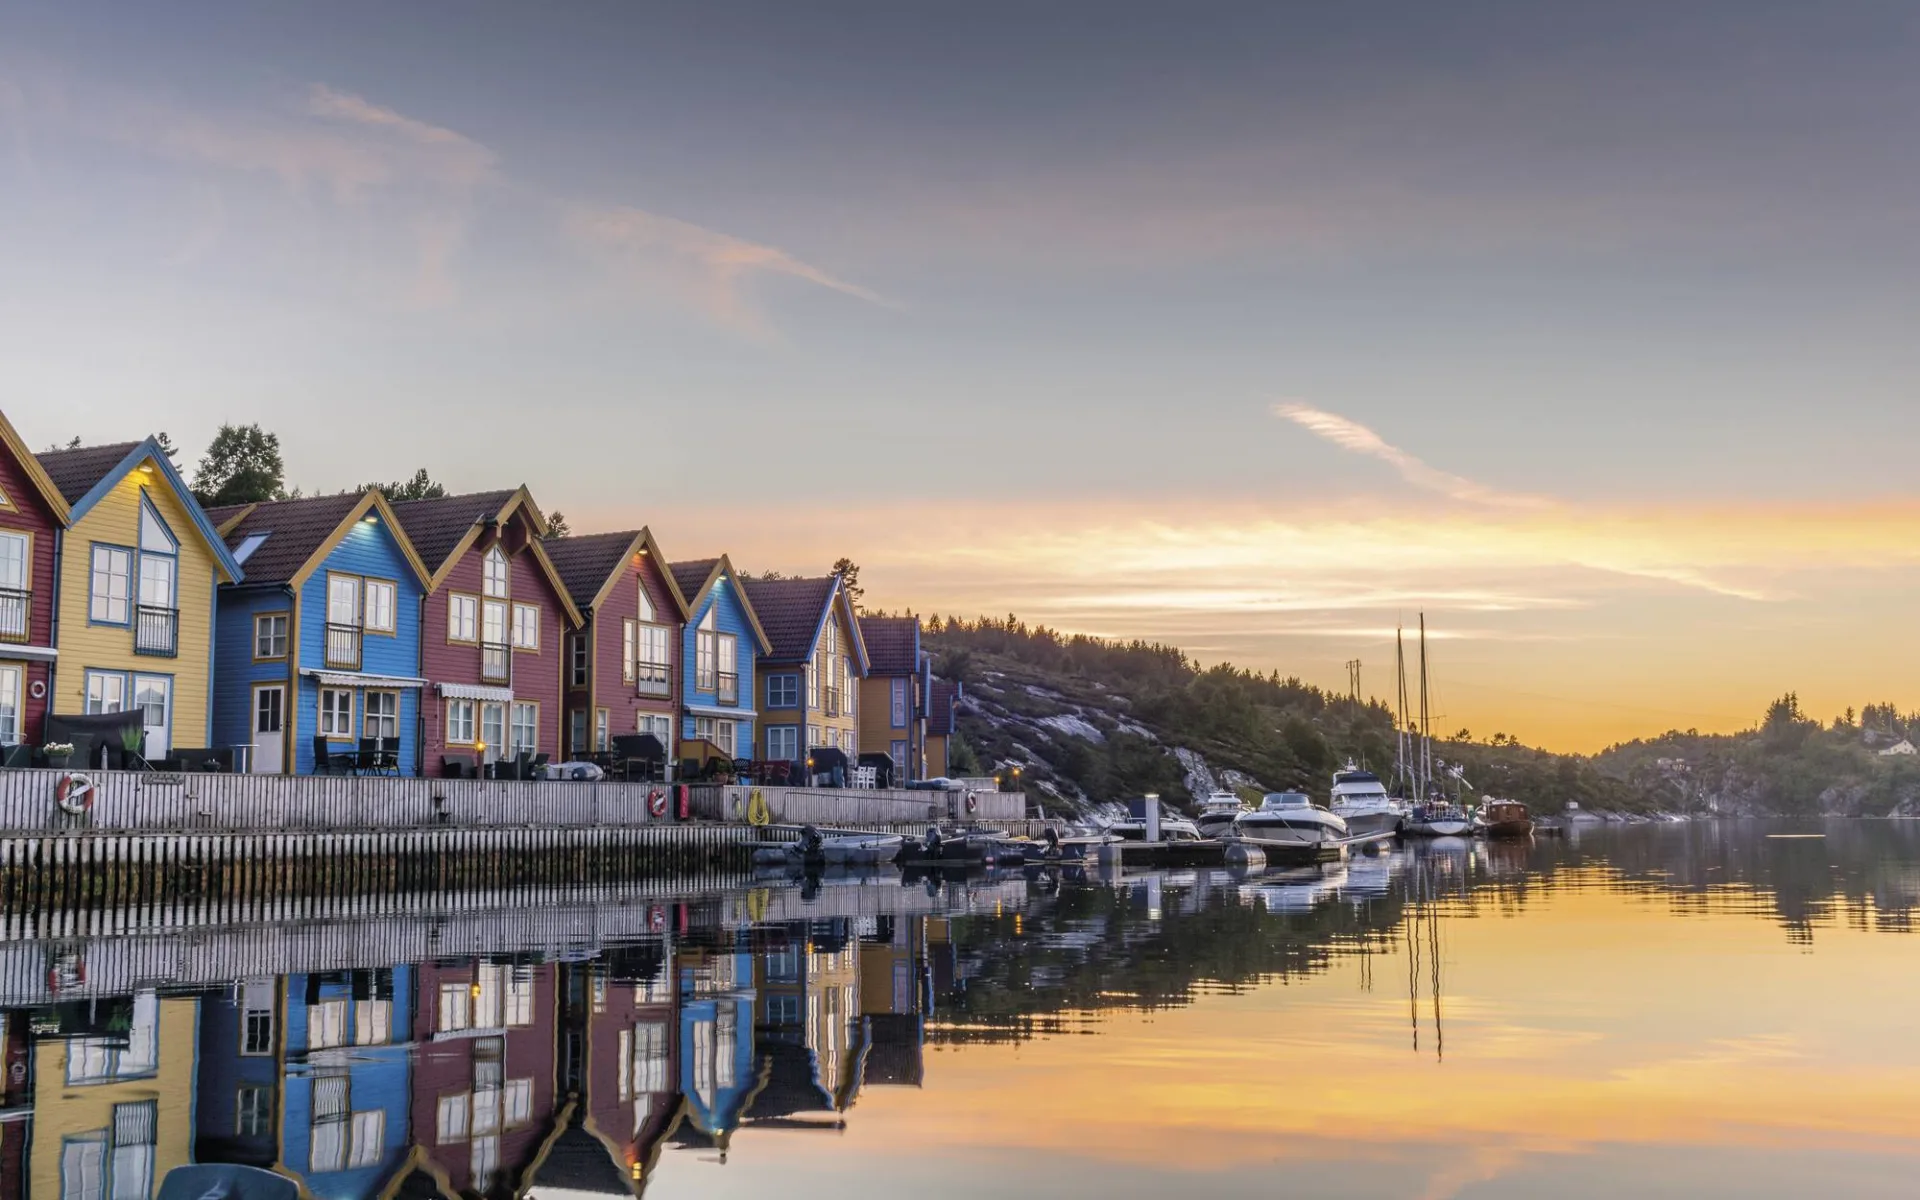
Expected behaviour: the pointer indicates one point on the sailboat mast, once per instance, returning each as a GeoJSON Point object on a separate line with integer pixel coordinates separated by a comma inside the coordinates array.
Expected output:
{"type": "Point", "coordinates": [1426, 723]}
{"type": "Point", "coordinates": [1403, 750]}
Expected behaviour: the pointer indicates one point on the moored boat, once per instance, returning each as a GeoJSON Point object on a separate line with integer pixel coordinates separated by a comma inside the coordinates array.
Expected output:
{"type": "Point", "coordinates": [1133, 827]}
{"type": "Point", "coordinates": [1217, 813]}
{"type": "Point", "coordinates": [1292, 818]}
{"type": "Point", "coordinates": [1361, 800]}
{"type": "Point", "coordinates": [1503, 819]}
{"type": "Point", "coordinates": [835, 848]}
{"type": "Point", "coordinates": [1436, 818]}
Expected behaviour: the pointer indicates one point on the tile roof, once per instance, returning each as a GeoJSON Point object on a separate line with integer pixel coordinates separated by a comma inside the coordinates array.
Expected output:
{"type": "Point", "coordinates": [436, 526]}
{"type": "Point", "coordinates": [942, 702]}
{"type": "Point", "coordinates": [296, 529]}
{"type": "Point", "coordinates": [691, 576]}
{"type": "Point", "coordinates": [893, 644]}
{"type": "Point", "coordinates": [220, 514]}
{"type": "Point", "coordinates": [75, 471]}
{"type": "Point", "coordinates": [586, 562]}
{"type": "Point", "coordinates": [790, 612]}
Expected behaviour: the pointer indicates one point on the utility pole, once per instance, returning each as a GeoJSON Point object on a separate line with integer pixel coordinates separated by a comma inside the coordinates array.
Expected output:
{"type": "Point", "coordinates": [1353, 680]}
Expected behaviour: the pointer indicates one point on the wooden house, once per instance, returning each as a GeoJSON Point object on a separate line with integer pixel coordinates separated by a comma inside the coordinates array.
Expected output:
{"type": "Point", "coordinates": [722, 639]}
{"type": "Point", "coordinates": [812, 669]}
{"type": "Point", "coordinates": [893, 696]}
{"type": "Point", "coordinates": [623, 662]}
{"type": "Point", "coordinates": [943, 703]}
{"type": "Point", "coordinates": [32, 514]}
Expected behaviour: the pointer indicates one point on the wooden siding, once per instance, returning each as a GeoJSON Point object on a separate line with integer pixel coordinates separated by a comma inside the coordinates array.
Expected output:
{"type": "Point", "coordinates": [610, 689]}
{"type": "Point", "coordinates": [29, 514]}
{"type": "Point", "coordinates": [115, 520]}
{"type": "Point", "coordinates": [730, 616]}
{"type": "Point", "coordinates": [847, 722]}
{"type": "Point", "coordinates": [234, 671]}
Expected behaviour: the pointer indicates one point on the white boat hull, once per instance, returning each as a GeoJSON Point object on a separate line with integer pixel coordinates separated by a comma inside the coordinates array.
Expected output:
{"type": "Point", "coordinates": [1299, 827]}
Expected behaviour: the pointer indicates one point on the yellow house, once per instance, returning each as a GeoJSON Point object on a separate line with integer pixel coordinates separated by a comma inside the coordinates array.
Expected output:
{"type": "Point", "coordinates": [112, 1116]}
{"type": "Point", "coordinates": [812, 673]}
{"type": "Point", "coordinates": [139, 568]}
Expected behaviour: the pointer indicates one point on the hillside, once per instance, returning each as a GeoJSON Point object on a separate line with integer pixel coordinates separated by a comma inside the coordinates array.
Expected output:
{"type": "Point", "coordinates": [1089, 721]}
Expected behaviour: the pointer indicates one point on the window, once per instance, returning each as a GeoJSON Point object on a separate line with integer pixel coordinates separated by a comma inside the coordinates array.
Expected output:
{"type": "Point", "coordinates": [577, 659]}
{"type": "Point", "coordinates": [847, 690]}
{"type": "Point", "coordinates": [526, 627]}
{"type": "Point", "coordinates": [659, 726]}
{"type": "Point", "coordinates": [343, 600]}
{"type": "Point", "coordinates": [336, 713]}
{"type": "Point", "coordinates": [493, 572]}
{"type": "Point", "coordinates": [453, 1119]}
{"type": "Point", "coordinates": [643, 1070]}
{"type": "Point", "coordinates": [9, 704]}
{"type": "Point", "coordinates": [372, 1022]}
{"type": "Point", "coordinates": [783, 691]}
{"type": "Point", "coordinates": [382, 606]}
{"type": "Point", "coordinates": [332, 1110]}
{"type": "Point", "coordinates": [724, 737]}
{"type": "Point", "coordinates": [706, 655]}
{"type": "Point", "coordinates": [493, 622]}
{"type": "Point", "coordinates": [456, 1008]}
{"type": "Point", "coordinates": [577, 732]}
{"type": "Point", "coordinates": [463, 618]}
{"type": "Point", "coordinates": [270, 635]}
{"type": "Point", "coordinates": [112, 585]}
{"type": "Point", "coordinates": [729, 677]}
{"type": "Point", "coordinates": [382, 715]}
{"type": "Point", "coordinates": [155, 537]}
{"type": "Point", "coordinates": [629, 649]}
{"type": "Point", "coordinates": [813, 686]}
{"type": "Point", "coordinates": [14, 578]}
{"type": "Point", "coordinates": [136, 1129]}
{"type": "Point", "coordinates": [256, 1017]}
{"type": "Point", "coordinates": [602, 730]}
{"type": "Point", "coordinates": [646, 604]}
{"type": "Point", "coordinates": [83, 1168]}
{"type": "Point", "coordinates": [252, 542]}
{"type": "Point", "coordinates": [783, 743]}
{"type": "Point", "coordinates": [460, 722]}
{"type": "Point", "coordinates": [150, 694]}
{"type": "Point", "coordinates": [898, 752]}
{"type": "Point", "coordinates": [526, 727]}
{"type": "Point", "coordinates": [369, 1136]}
{"type": "Point", "coordinates": [106, 693]}
{"type": "Point", "coordinates": [493, 725]}
{"type": "Point", "coordinates": [898, 687]}
{"type": "Point", "coordinates": [327, 1025]}
{"type": "Point", "coordinates": [253, 1111]}
{"type": "Point", "coordinates": [655, 662]}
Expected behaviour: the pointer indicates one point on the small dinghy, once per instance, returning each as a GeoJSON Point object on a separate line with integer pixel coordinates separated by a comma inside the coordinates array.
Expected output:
{"type": "Point", "coordinates": [833, 848]}
{"type": "Point", "coordinates": [954, 845]}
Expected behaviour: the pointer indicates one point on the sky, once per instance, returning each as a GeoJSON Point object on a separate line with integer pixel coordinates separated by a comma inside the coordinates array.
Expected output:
{"type": "Point", "coordinates": [1259, 329]}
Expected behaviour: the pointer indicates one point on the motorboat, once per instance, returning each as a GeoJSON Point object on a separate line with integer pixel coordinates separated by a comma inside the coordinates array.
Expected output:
{"type": "Point", "coordinates": [1299, 890]}
{"type": "Point", "coordinates": [954, 845]}
{"type": "Point", "coordinates": [1361, 800]}
{"type": "Point", "coordinates": [1217, 813]}
{"type": "Point", "coordinates": [1290, 817]}
{"type": "Point", "coordinates": [1133, 826]}
{"type": "Point", "coordinates": [833, 847]}
{"type": "Point", "coordinates": [1503, 819]}
{"type": "Point", "coordinates": [1437, 818]}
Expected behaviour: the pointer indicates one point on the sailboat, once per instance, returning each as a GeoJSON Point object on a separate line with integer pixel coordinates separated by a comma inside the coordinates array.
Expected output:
{"type": "Point", "coordinates": [1432, 814]}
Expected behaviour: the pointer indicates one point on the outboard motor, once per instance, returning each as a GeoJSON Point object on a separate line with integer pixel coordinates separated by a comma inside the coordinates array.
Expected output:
{"type": "Point", "coordinates": [934, 849]}
{"type": "Point", "coordinates": [1052, 837]}
{"type": "Point", "coordinates": [810, 842]}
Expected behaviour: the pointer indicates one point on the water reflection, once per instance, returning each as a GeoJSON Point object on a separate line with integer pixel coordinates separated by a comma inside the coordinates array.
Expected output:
{"type": "Point", "coordinates": [513, 1068]}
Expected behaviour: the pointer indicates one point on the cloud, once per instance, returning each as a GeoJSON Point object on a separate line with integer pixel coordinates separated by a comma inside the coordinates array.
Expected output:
{"type": "Point", "coordinates": [1357, 438]}
{"type": "Point", "coordinates": [711, 264]}
{"type": "Point", "coordinates": [465, 160]}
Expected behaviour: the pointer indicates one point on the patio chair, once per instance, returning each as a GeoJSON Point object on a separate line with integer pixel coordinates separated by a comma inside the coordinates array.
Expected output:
{"type": "Point", "coordinates": [366, 760]}
{"type": "Point", "coordinates": [16, 756]}
{"type": "Point", "coordinates": [389, 760]}
{"type": "Point", "coordinates": [453, 768]}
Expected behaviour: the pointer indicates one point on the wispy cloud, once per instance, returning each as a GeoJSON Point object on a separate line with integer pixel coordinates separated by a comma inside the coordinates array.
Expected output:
{"type": "Point", "coordinates": [1358, 439]}
{"type": "Point", "coordinates": [468, 161]}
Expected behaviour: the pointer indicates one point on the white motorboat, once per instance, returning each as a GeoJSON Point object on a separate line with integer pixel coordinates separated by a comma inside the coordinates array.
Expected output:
{"type": "Point", "coordinates": [1361, 800]}
{"type": "Point", "coordinates": [1299, 890]}
{"type": "Point", "coordinates": [1292, 818]}
{"type": "Point", "coordinates": [1217, 813]}
{"type": "Point", "coordinates": [1133, 826]}
{"type": "Point", "coordinates": [834, 848]}
{"type": "Point", "coordinates": [1437, 818]}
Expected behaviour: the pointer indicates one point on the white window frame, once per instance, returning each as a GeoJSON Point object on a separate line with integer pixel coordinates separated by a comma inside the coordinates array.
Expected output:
{"type": "Point", "coordinates": [496, 577]}
{"type": "Point", "coordinates": [267, 638]}
{"type": "Point", "coordinates": [381, 601]}
{"type": "Point", "coordinates": [523, 733]}
{"type": "Point", "coordinates": [105, 699]}
{"type": "Point", "coordinates": [897, 697]}
{"type": "Point", "coordinates": [110, 584]}
{"type": "Point", "coordinates": [343, 600]}
{"type": "Point", "coordinates": [462, 722]}
{"type": "Point", "coordinates": [783, 743]}
{"type": "Point", "coordinates": [524, 627]}
{"type": "Point", "coordinates": [493, 725]}
{"type": "Point", "coordinates": [463, 617]}
{"type": "Point", "coordinates": [374, 724]}
{"type": "Point", "coordinates": [11, 677]}
{"type": "Point", "coordinates": [335, 724]}
{"type": "Point", "coordinates": [629, 650]}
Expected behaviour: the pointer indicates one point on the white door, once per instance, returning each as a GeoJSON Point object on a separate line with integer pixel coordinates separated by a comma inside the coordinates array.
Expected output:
{"type": "Point", "coordinates": [153, 695]}
{"type": "Point", "coordinates": [269, 729]}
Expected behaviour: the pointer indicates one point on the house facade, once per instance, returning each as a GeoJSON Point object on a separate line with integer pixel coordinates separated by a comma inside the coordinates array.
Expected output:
{"type": "Point", "coordinates": [322, 641]}
{"type": "Point", "coordinates": [32, 515]}
{"type": "Point", "coordinates": [139, 566]}
{"type": "Point", "coordinates": [721, 642]}
{"type": "Point", "coordinates": [893, 696]}
{"type": "Point", "coordinates": [812, 671]}
{"type": "Point", "coordinates": [622, 663]}
{"type": "Point", "coordinates": [943, 703]}
{"type": "Point", "coordinates": [493, 630]}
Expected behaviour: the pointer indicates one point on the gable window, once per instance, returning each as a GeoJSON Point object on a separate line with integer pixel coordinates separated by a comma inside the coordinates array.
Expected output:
{"type": "Point", "coordinates": [783, 691]}
{"type": "Point", "coordinates": [382, 606]}
{"type": "Point", "coordinates": [526, 727]}
{"type": "Point", "coordinates": [463, 618]}
{"type": "Point", "coordinates": [270, 635]}
{"type": "Point", "coordinates": [899, 687]}
{"type": "Point", "coordinates": [493, 573]}
{"type": "Point", "coordinates": [336, 713]}
{"type": "Point", "coordinates": [112, 590]}
{"type": "Point", "coordinates": [577, 660]}
{"type": "Point", "coordinates": [706, 652]}
{"type": "Point", "coordinates": [156, 630]}
{"type": "Point", "coordinates": [15, 595]}
{"type": "Point", "coordinates": [382, 715]}
{"type": "Point", "coordinates": [460, 722]}
{"type": "Point", "coordinates": [526, 627]}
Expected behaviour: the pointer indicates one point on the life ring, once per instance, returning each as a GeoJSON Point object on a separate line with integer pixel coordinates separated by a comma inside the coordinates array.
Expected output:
{"type": "Point", "coordinates": [74, 794]}
{"type": "Point", "coordinates": [657, 919]}
{"type": "Point", "coordinates": [657, 803]}
{"type": "Point", "coordinates": [37, 689]}
{"type": "Point", "coordinates": [973, 802]}
{"type": "Point", "coordinates": [757, 811]}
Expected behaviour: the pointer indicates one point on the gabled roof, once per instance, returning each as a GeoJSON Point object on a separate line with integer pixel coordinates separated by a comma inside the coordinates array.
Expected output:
{"type": "Point", "coordinates": [590, 564]}
{"type": "Point", "coordinates": [943, 701]}
{"type": "Point", "coordinates": [443, 527]}
{"type": "Point", "coordinates": [86, 474]}
{"type": "Point", "coordinates": [696, 577]}
{"type": "Point", "coordinates": [35, 471]}
{"type": "Point", "coordinates": [796, 610]}
{"type": "Point", "coordinates": [222, 516]}
{"type": "Point", "coordinates": [893, 644]}
{"type": "Point", "coordinates": [301, 533]}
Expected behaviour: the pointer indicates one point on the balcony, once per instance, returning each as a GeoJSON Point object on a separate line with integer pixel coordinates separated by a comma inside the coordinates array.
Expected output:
{"type": "Point", "coordinates": [156, 631]}
{"type": "Point", "coordinates": [729, 687]}
{"type": "Point", "coordinates": [496, 662]}
{"type": "Point", "coordinates": [833, 701]}
{"type": "Point", "coordinates": [343, 646]}
{"type": "Point", "coordinates": [653, 679]}
{"type": "Point", "coordinates": [16, 614]}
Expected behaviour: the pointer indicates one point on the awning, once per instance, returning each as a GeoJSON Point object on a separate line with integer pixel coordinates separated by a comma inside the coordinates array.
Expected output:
{"type": "Point", "coordinates": [474, 691]}
{"type": "Point", "coordinates": [356, 679]}
{"type": "Point", "coordinates": [36, 653]}
{"type": "Point", "coordinates": [720, 710]}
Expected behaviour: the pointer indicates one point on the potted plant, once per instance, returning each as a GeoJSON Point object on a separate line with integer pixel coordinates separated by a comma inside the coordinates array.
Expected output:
{"type": "Point", "coordinates": [132, 740]}
{"type": "Point", "coordinates": [57, 754]}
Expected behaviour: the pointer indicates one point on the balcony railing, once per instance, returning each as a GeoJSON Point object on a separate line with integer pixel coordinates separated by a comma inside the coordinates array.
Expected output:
{"type": "Point", "coordinates": [16, 613]}
{"type": "Point", "coordinates": [343, 646]}
{"type": "Point", "coordinates": [729, 688]}
{"type": "Point", "coordinates": [496, 662]}
{"type": "Point", "coordinates": [653, 679]}
{"type": "Point", "coordinates": [833, 701]}
{"type": "Point", "coordinates": [156, 631]}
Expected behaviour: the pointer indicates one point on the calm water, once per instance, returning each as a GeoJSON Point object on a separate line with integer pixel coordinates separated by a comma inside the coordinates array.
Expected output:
{"type": "Point", "coordinates": [1654, 1011]}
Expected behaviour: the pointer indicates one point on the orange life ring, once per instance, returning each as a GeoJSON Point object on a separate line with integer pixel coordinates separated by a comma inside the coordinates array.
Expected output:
{"type": "Point", "coordinates": [657, 802]}
{"type": "Point", "coordinates": [74, 794]}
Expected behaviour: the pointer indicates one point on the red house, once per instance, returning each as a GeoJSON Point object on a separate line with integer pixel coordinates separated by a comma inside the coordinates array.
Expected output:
{"type": "Point", "coordinates": [32, 512]}
{"type": "Point", "coordinates": [493, 638]}
{"type": "Point", "coordinates": [621, 672]}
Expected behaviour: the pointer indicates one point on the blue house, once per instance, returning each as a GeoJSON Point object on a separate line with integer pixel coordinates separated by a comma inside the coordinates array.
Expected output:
{"type": "Point", "coordinates": [322, 641]}
{"type": "Point", "coordinates": [719, 645]}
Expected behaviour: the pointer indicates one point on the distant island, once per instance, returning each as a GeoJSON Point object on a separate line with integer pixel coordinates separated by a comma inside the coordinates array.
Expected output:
{"type": "Point", "coordinates": [1088, 720]}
